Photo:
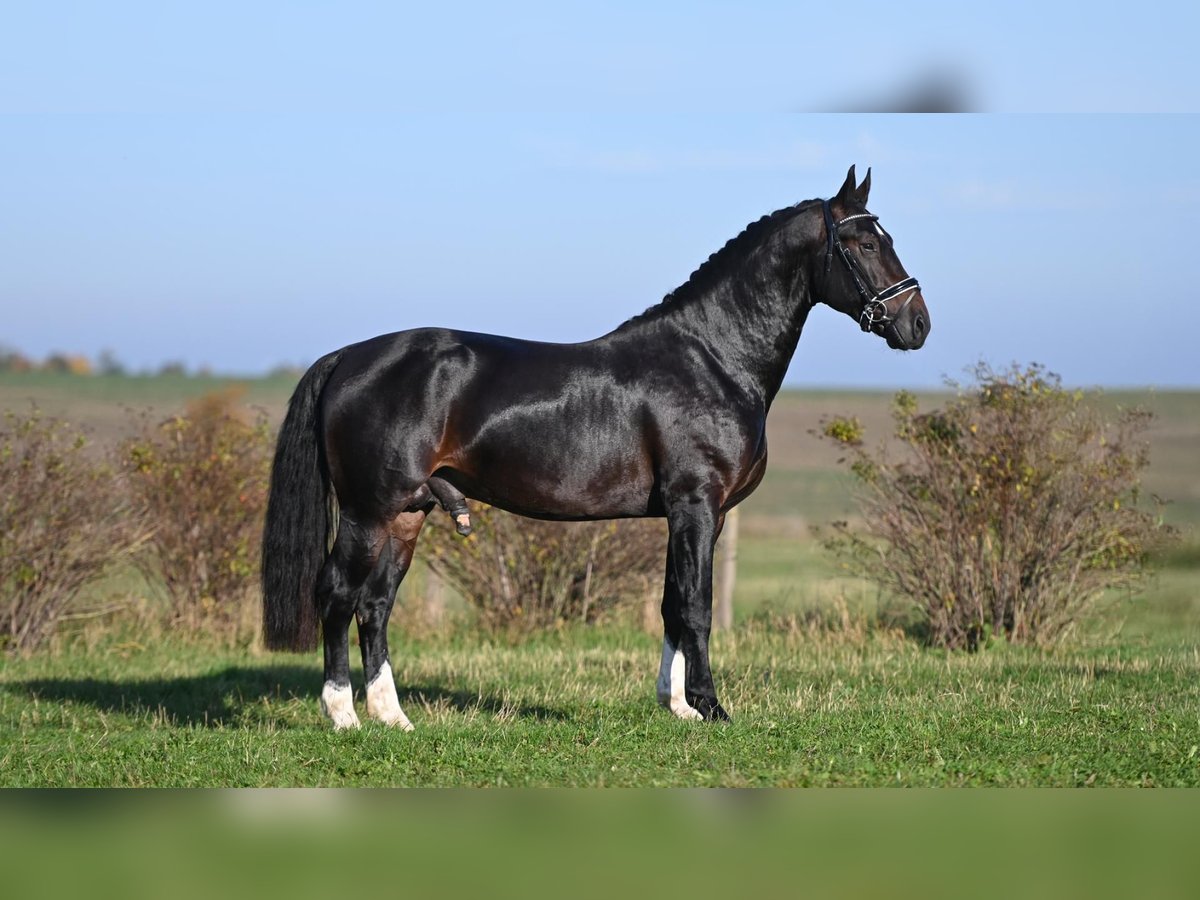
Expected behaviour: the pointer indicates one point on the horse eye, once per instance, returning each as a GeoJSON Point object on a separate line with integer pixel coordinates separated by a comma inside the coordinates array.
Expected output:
{"type": "Point", "coordinates": [869, 246]}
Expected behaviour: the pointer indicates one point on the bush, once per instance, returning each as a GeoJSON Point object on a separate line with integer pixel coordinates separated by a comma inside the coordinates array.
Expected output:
{"type": "Point", "coordinates": [1013, 507]}
{"type": "Point", "coordinates": [522, 574]}
{"type": "Point", "coordinates": [201, 479]}
{"type": "Point", "coordinates": [68, 364]}
{"type": "Point", "coordinates": [14, 361]}
{"type": "Point", "coordinates": [65, 518]}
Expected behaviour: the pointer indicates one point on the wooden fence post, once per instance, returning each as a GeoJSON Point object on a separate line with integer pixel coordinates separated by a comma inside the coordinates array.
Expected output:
{"type": "Point", "coordinates": [726, 573]}
{"type": "Point", "coordinates": [435, 598]}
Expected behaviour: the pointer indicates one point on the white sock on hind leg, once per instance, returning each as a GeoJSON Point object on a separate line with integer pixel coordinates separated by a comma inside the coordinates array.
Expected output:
{"type": "Point", "coordinates": [338, 704]}
{"type": "Point", "coordinates": [383, 703]}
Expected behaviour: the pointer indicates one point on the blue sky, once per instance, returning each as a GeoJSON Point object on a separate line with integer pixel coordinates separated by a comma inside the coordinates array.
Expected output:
{"type": "Point", "coordinates": [600, 55]}
{"type": "Point", "coordinates": [243, 196]}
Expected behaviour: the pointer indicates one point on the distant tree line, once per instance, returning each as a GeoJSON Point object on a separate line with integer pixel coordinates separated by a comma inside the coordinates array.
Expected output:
{"type": "Point", "coordinates": [107, 363]}
{"type": "Point", "coordinates": [68, 363]}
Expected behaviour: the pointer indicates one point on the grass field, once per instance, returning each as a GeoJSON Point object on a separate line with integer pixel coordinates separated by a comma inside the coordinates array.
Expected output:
{"type": "Point", "coordinates": [811, 708]}
{"type": "Point", "coordinates": [817, 699]}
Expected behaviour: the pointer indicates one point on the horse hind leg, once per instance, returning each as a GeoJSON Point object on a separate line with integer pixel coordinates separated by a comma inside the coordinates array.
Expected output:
{"type": "Point", "coordinates": [356, 551]}
{"type": "Point", "coordinates": [374, 609]}
{"type": "Point", "coordinates": [359, 581]}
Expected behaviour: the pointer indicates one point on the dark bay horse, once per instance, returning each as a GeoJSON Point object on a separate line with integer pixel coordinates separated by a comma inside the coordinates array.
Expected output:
{"type": "Point", "coordinates": [665, 416]}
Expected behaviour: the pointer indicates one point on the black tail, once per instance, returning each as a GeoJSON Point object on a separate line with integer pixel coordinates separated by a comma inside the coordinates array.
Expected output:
{"type": "Point", "coordinates": [298, 519]}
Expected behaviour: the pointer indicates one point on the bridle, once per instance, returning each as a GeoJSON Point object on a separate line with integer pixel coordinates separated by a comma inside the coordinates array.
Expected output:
{"type": "Point", "coordinates": [874, 311]}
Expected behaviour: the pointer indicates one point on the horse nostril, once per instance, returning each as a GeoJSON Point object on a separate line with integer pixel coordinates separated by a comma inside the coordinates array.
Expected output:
{"type": "Point", "coordinates": [918, 326]}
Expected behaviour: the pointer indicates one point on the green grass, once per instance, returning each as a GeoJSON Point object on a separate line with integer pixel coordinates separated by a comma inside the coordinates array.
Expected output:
{"type": "Point", "coordinates": [811, 496]}
{"type": "Point", "coordinates": [786, 573]}
{"type": "Point", "coordinates": [811, 708]}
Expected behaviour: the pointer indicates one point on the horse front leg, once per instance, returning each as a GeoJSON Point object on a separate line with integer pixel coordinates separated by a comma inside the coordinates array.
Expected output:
{"type": "Point", "coordinates": [685, 683]}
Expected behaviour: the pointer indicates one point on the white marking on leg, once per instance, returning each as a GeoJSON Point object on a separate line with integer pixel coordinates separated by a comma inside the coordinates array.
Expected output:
{"type": "Point", "coordinates": [338, 704]}
{"type": "Point", "coordinates": [663, 686]}
{"type": "Point", "coordinates": [669, 686]}
{"type": "Point", "coordinates": [382, 702]}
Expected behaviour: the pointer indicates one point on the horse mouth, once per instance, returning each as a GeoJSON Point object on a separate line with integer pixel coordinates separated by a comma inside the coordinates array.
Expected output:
{"type": "Point", "coordinates": [897, 339]}
{"type": "Point", "coordinates": [892, 336]}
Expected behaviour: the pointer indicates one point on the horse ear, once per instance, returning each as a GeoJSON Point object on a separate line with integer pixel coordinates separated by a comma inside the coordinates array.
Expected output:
{"type": "Point", "coordinates": [847, 189]}
{"type": "Point", "coordinates": [865, 188]}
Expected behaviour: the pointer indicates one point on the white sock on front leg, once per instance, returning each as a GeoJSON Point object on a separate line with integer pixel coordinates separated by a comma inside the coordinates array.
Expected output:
{"type": "Point", "coordinates": [669, 686]}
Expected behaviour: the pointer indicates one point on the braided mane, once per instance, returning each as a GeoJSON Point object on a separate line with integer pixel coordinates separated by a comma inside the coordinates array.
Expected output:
{"type": "Point", "coordinates": [718, 265]}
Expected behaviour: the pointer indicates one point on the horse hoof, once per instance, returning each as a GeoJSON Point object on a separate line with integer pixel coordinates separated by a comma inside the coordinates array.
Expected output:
{"type": "Point", "coordinates": [337, 704]}
{"type": "Point", "coordinates": [711, 711]}
{"type": "Point", "coordinates": [718, 714]}
{"type": "Point", "coordinates": [462, 524]}
{"type": "Point", "coordinates": [685, 712]}
{"type": "Point", "coordinates": [399, 722]}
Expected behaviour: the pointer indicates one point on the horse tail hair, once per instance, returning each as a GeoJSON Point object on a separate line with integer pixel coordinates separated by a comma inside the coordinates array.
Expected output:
{"type": "Point", "coordinates": [299, 518]}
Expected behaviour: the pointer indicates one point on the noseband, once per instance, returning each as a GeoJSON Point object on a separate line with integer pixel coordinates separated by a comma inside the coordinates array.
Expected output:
{"type": "Point", "coordinates": [874, 311]}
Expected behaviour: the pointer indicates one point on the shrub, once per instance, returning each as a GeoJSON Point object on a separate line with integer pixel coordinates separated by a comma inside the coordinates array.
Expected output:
{"type": "Point", "coordinates": [14, 361]}
{"type": "Point", "coordinates": [65, 518]}
{"type": "Point", "coordinates": [109, 364]}
{"type": "Point", "coordinates": [1014, 506]}
{"type": "Point", "coordinates": [521, 574]}
{"type": "Point", "coordinates": [201, 478]}
{"type": "Point", "coordinates": [68, 364]}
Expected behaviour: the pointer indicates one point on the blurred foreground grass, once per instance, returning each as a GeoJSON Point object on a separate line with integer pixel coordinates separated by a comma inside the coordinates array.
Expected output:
{"type": "Point", "coordinates": [844, 844]}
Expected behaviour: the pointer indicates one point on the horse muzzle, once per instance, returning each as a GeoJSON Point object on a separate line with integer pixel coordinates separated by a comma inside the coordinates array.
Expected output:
{"type": "Point", "coordinates": [907, 330]}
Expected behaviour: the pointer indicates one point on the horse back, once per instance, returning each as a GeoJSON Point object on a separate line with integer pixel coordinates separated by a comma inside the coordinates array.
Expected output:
{"type": "Point", "coordinates": [550, 430]}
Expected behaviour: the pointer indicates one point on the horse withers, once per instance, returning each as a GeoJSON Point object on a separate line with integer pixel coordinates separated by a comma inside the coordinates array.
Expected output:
{"type": "Point", "coordinates": [663, 416]}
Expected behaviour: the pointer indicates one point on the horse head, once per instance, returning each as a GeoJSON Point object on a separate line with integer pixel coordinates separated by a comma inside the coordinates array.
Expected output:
{"type": "Point", "coordinates": [864, 277]}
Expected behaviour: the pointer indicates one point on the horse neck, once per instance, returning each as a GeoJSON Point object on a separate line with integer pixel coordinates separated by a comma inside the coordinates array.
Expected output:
{"type": "Point", "coordinates": [749, 321]}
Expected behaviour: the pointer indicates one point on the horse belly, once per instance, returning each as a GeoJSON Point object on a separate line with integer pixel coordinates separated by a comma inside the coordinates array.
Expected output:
{"type": "Point", "coordinates": [558, 471]}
